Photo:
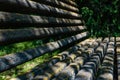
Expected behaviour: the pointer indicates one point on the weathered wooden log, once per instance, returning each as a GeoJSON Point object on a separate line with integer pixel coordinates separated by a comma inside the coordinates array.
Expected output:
{"type": "Point", "coordinates": [13, 60]}
{"type": "Point", "coordinates": [61, 56]}
{"type": "Point", "coordinates": [59, 4]}
{"type": "Point", "coordinates": [8, 36]}
{"type": "Point", "coordinates": [31, 7]}
{"type": "Point", "coordinates": [118, 56]}
{"type": "Point", "coordinates": [106, 70]}
{"type": "Point", "coordinates": [90, 68]}
{"type": "Point", "coordinates": [55, 69]}
{"type": "Point", "coordinates": [70, 2]}
{"type": "Point", "coordinates": [70, 71]}
{"type": "Point", "coordinates": [117, 39]}
{"type": "Point", "coordinates": [12, 19]}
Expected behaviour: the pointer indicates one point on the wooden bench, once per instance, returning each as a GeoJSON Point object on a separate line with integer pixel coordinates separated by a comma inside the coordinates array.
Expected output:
{"type": "Point", "coordinates": [84, 59]}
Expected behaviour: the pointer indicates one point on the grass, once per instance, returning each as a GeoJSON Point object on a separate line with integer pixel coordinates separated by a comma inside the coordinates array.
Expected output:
{"type": "Point", "coordinates": [26, 67]}
{"type": "Point", "coordinates": [13, 48]}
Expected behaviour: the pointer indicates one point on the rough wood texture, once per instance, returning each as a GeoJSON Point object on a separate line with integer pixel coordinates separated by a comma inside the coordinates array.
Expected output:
{"type": "Point", "coordinates": [118, 56]}
{"type": "Point", "coordinates": [59, 4]}
{"type": "Point", "coordinates": [90, 68]}
{"type": "Point", "coordinates": [70, 2]}
{"type": "Point", "coordinates": [107, 68]}
{"type": "Point", "coordinates": [71, 70]}
{"type": "Point", "coordinates": [31, 7]}
{"type": "Point", "coordinates": [13, 60]}
{"type": "Point", "coordinates": [8, 36]}
{"type": "Point", "coordinates": [11, 20]}
{"type": "Point", "coordinates": [25, 20]}
{"type": "Point", "coordinates": [60, 57]}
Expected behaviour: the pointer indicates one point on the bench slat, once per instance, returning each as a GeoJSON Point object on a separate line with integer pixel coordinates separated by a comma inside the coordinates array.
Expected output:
{"type": "Point", "coordinates": [12, 19]}
{"type": "Point", "coordinates": [55, 69]}
{"type": "Point", "coordinates": [59, 4]}
{"type": "Point", "coordinates": [31, 7]}
{"type": "Point", "coordinates": [70, 71]}
{"type": "Point", "coordinates": [91, 66]}
{"type": "Point", "coordinates": [8, 36]}
{"type": "Point", "coordinates": [60, 57]}
{"type": "Point", "coordinates": [106, 70]}
{"type": "Point", "coordinates": [118, 56]}
{"type": "Point", "coordinates": [13, 60]}
{"type": "Point", "coordinates": [70, 2]}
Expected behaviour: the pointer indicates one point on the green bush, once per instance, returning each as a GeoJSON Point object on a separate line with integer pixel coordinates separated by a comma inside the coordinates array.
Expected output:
{"type": "Point", "coordinates": [101, 16]}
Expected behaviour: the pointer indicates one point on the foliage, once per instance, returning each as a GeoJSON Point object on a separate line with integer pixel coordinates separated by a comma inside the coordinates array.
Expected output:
{"type": "Point", "coordinates": [101, 16]}
{"type": "Point", "coordinates": [12, 48]}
